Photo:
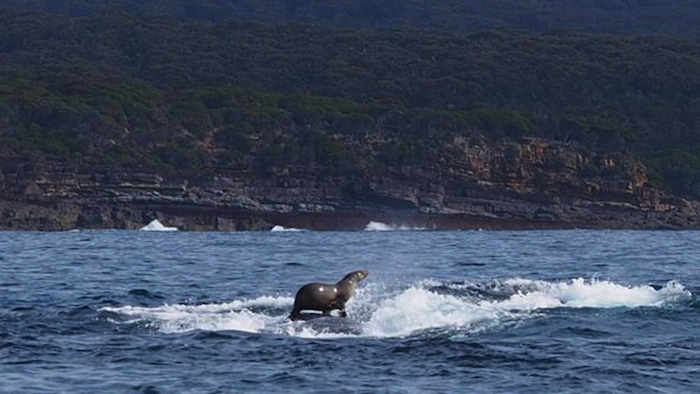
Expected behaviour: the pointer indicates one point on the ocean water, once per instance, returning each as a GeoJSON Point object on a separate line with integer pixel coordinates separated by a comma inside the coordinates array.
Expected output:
{"type": "Point", "coordinates": [471, 311]}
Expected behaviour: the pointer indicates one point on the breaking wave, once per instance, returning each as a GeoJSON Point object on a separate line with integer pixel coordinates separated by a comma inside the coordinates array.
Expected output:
{"type": "Point", "coordinates": [282, 228]}
{"type": "Point", "coordinates": [379, 226]}
{"type": "Point", "coordinates": [155, 225]}
{"type": "Point", "coordinates": [240, 315]}
{"type": "Point", "coordinates": [378, 312]}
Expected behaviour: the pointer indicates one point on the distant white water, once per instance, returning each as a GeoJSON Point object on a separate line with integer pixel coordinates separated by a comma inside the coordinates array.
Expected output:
{"type": "Point", "coordinates": [281, 229]}
{"type": "Point", "coordinates": [376, 314]}
{"type": "Point", "coordinates": [581, 293]}
{"type": "Point", "coordinates": [155, 225]}
{"type": "Point", "coordinates": [379, 226]}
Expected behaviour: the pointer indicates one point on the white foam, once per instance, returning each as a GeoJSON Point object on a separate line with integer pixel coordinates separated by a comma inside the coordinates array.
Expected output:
{"type": "Point", "coordinates": [418, 309]}
{"type": "Point", "coordinates": [236, 315]}
{"type": "Point", "coordinates": [378, 314]}
{"type": "Point", "coordinates": [155, 225]}
{"type": "Point", "coordinates": [309, 332]}
{"type": "Point", "coordinates": [580, 293]}
{"type": "Point", "coordinates": [379, 226]}
{"type": "Point", "coordinates": [281, 228]}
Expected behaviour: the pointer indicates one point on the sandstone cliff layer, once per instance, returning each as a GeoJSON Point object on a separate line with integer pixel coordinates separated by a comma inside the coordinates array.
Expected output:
{"type": "Point", "coordinates": [533, 184]}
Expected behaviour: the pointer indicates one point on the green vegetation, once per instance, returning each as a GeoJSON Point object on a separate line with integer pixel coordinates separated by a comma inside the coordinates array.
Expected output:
{"type": "Point", "coordinates": [191, 97]}
{"type": "Point", "coordinates": [607, 16]}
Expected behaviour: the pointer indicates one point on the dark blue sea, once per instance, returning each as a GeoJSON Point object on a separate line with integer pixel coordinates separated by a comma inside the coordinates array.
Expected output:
{"type": "Point", "coordinates": [472, 311]}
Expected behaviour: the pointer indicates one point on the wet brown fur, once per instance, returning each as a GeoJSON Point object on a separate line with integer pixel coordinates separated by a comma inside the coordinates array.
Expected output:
{"type": "Point", "coordinates": [326, 297]}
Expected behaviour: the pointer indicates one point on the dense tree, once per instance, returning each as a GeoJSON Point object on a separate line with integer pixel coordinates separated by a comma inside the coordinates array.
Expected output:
{"type": "Point", "coordinates": [155, 91]}
{"type": "Point", "coordinates": [610, 16]}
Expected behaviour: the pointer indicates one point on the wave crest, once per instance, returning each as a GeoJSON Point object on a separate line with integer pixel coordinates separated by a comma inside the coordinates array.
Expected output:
{"type": "Point", "coordinates": [155, 225]}
{"type": "Point", "coordinates": [240, 315]}
{"type": "Point", "coordinates": [377, 313]}
{"type": "Point", "coordinates": [379, 226]}
{"type": "Point", "coordinates": [279, 228]}
{"type": "Point", "coordinates": [581, 293]}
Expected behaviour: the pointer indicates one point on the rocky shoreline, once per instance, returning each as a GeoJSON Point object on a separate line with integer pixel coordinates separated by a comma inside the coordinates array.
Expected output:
{"type": "Point", "coordinates": [195, 208]}
{"type": "Point", "coordinates": [534, 185]}
{"type": "Point", "coordinates": [67, 216]}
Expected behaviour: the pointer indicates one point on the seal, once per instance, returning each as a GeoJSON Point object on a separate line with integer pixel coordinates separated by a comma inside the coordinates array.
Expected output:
{"type": "Point", "coordinates": [326, 297]}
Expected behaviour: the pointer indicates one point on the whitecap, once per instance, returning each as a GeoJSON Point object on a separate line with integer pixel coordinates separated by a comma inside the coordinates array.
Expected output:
{"type": "Point", "coordinates": [377, 312]}
{"type": "Point", "coordinates": [239, 315]}
{"type": "Point", "coordinates": [418, 309]}
{"type": "Point", "coordinates": [155, 225]}
{"type": "Point", "coordinates": [581, 293]}
{"type": "Point", "coordinates": [282, 228]}
{"type": "Point", "coordinates": [379, 226]}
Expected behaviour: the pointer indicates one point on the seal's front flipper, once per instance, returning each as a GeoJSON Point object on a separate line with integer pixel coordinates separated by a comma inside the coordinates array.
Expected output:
{"type": "Point", "coordinates": [294, 315]}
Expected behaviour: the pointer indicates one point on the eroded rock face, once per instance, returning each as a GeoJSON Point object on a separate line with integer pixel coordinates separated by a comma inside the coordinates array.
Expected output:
{"type": "Point", "coordinates": [532, 184]}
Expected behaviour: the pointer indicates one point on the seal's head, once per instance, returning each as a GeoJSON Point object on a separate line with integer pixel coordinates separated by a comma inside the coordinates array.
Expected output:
{"type": "Point", "coordinates": [354, 277]}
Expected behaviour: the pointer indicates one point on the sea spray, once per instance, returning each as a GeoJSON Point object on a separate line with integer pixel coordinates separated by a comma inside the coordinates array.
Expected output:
{"type": "Point", "coordinates": [376, 312]}
{"type": "Point", "coordinates": [418, 309]}
{"type": "Point", "coordinates": [379, 226]}
{"type": "Point", "coordinates": [579, 292]}
{"type": "Point", "coordinates": [241, 315]}
{"type": "Point", "coordinates": [278, 228]}
{"type": "Point", "coordinates": [155, 225]}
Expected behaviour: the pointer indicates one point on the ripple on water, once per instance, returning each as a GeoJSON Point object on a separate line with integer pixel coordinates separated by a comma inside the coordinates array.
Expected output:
{"type": "Point", "coordinates": [526, 311]}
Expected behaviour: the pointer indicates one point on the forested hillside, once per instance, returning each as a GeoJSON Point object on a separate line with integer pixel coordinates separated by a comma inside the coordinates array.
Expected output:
{"type": "Point", "coordinates": [678, 17]}
{"type": "Point", "coordinates": [184, 96]}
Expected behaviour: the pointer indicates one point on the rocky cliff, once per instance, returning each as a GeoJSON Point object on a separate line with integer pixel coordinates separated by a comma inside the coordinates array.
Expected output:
{"type": "Point", "coordinates": [531, 184]}
{"type": "Point", "coordinates": [113, 119]}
